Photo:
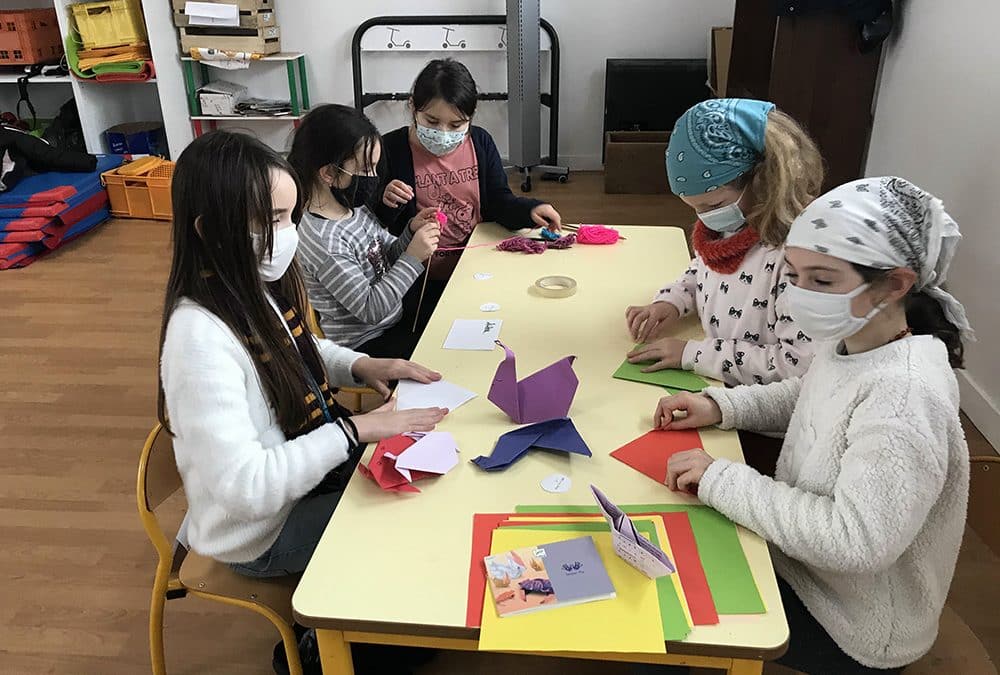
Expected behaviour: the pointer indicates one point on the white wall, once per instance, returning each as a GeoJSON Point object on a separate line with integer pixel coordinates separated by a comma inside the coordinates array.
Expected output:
{"type": "Point", "coordinates": [590, 31]}
{"type": "Point", "coordinates": [935, 123]}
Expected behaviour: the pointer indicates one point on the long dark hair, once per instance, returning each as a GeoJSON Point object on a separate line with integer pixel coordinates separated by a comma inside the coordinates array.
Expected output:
{"type": "Point", "coordinates": [330, 135]}
{"type": "Point", "coordinates": [221, 189]}
{"type": "Point", "coordinates": [925, 316]}
{"type": "Point", "coordinates": [448, 80]}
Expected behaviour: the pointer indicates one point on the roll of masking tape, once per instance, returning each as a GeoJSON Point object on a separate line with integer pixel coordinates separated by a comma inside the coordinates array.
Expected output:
{"type": "Point", "coordinates": [556, 287]}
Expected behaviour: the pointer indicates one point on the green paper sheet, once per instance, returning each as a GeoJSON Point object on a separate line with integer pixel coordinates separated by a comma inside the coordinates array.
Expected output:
{"type": "Point", "coordinates": [726, 568]}
{"type": "Point", "coordinates": [672, 379]}
{"type": "Point", "coordinates": [675, 625]}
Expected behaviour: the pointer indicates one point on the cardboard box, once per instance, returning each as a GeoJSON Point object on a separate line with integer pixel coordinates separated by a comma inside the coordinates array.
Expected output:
{"type": "Point", "coordinates": [248, 18]}
{"type": "Point", "coordinates": [244, 5]}
{"type": "Point", "coordinates": [136, 138]}
{"type": "Point", "coordinates": [257, 40]}
{"type": "Point", "coordinates": [720, 51]}
{"type": "Point", "coordinates": [634, 162]}
{"type": "Point", "coordinates": [219, 98]}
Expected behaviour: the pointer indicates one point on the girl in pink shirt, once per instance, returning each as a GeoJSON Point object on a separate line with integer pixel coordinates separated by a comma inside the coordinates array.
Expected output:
{"type": "Point", "coordinates": [443, 161]}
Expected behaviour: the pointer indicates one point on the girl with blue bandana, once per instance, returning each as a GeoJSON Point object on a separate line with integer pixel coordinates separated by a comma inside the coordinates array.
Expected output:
{"type": "Point", "coordinates": [747, 170]}
{"type": "Point", "coordinates": [445, 162]}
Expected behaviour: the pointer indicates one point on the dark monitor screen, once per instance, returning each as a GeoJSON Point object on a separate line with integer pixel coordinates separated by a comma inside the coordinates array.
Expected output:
{"type": "Point", "coordinates": [650, 94]}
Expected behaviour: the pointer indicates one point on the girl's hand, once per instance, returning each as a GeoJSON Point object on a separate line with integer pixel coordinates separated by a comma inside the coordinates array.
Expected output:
{"type": "Point", "coordinates": [385, 422]}
{"type": "Point", "coordinates": [396, 193]}
{"type": "Point", "coordinates": [699, 411]}
{"type": "Point", "coordinates": [685, 469]}
{"type": "Point", "coordinates": [423, 218]}
{"type": "Point", "coordinates": [377, 373]}
{"type": "Point", "coordinates": [424, 242]}
{"type": "Point", "coordinates": [666, 352]}
{"type": "Point", "coordinates": [544, 215]}
{"type": "Point", "coordinates": [645, 320]}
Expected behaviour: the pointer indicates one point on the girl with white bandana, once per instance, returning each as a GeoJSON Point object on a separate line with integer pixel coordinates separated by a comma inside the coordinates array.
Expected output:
{"type": "Point", "coordinates": [867, 507]}
{"type": "Point", "coordinates": [747, 170]}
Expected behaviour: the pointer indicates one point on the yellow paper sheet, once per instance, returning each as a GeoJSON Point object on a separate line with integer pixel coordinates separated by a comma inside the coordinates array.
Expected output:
{"type": "Point", "coordinates": [661, 534]}
{"type": "Point", "coordinates": [628, 623]}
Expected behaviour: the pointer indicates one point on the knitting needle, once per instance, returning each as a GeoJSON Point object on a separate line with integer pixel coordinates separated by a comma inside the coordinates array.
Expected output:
{"type": "Point", "coordinates": [442, 220]}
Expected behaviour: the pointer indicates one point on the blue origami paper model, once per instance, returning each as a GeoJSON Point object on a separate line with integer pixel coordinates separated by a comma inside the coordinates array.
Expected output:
{"type": "Point", "coordinates": [558, 434]}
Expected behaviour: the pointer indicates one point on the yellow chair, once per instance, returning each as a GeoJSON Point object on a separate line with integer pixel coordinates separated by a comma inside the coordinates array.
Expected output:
{"type": "Point", "coordinates": [182, 572]}
{"type": "Point", "coordinates": [358, 393]}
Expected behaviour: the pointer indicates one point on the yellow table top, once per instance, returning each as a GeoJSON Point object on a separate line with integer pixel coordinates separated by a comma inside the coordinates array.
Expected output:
{"type": "Point", "coordinates": [400, 562]}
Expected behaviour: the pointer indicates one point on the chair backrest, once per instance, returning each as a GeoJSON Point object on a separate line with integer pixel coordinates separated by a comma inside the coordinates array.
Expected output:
{"type": "Point", "coordinates": [312, 321]}
{"type": "Point", "coordinates": [984, 486]}
{"type": "Point", "coordinates": [158, 475]}
{"type": "Point", "coordinates": [158, 479]}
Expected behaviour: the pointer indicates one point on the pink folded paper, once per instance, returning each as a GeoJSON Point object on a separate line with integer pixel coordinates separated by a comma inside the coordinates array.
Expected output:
{"type": "Point", "coordinates": [400, 460]}
{"type": "Point", "coordinates": [544, 395]}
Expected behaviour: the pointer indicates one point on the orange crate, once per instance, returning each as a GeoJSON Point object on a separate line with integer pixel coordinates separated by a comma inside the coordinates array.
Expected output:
{"type": "Point", "coordinates": [141, 196]}
{"type": "Point", "coordinates": [29, 36]}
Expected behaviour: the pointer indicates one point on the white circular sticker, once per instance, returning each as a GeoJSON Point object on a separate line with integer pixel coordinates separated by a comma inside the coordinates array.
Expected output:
{"type": "Point", "coordinates": [489, 307]}
{"type": "Point", "coordinates": [556, 483]}
{"type": "Point", "coordinates": [482, 276]}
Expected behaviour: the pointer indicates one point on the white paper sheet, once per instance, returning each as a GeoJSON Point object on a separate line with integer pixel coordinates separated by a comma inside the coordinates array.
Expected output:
{"type": "Point", "coordinates": [474, 334]}
{"type": "Point", "coordinates": [212, 14]}
{"type": "Point", "coordinates": [440, 394]}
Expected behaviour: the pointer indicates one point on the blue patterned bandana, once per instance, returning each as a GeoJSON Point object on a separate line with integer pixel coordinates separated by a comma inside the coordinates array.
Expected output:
{"type": "Point", "coordinates": [715, 142]}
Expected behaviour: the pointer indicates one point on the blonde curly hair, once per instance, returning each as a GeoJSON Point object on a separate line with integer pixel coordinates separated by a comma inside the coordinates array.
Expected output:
{"type": "Point", "coordinates": [788, 177]}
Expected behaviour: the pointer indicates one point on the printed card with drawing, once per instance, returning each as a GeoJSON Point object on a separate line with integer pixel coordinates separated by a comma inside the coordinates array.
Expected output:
{"type": "Point", "coordinates": [631, 546]}
{"type": "Point", "coordinates": [474, 334]}
{"type": "Point", "coordinates": [553, 575]}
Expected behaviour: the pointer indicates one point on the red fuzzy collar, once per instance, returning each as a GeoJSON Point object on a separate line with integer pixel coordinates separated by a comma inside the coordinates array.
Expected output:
{"type": "Point", "coordinates": [723, 255]}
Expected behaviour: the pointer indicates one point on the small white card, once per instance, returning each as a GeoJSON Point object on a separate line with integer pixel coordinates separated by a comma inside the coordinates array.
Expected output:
{"type": "Point", "coordinates": [440, 394]}
{"type": "Point", "coordinates": [557, 483]}
{"type": "Point", "coordinates": [474, 334]}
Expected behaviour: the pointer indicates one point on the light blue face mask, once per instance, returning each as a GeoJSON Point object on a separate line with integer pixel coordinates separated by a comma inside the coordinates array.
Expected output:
{"type": "Point", "coordinates": [439, 142]}
{"type": "Point", "coordinates": [728, 218]}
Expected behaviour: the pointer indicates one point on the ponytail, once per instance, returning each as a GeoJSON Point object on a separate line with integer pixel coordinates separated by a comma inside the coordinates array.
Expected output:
{"type": "Point", "coordinates": [924, 316]}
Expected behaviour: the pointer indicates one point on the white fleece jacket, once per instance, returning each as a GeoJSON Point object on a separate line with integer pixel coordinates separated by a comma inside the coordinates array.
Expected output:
{"type": "Point", "coordinates": [241, 475]}
{"type": "Point", "coordinates": [867, 507]}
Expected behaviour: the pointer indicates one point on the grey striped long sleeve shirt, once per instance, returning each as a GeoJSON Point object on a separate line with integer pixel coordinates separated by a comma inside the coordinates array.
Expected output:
{"type": "Point", "coordinates": [356, 274]}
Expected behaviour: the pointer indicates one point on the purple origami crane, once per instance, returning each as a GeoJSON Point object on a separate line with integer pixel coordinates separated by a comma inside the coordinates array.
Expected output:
{"type": "Point", "coordinates": [542, 396]}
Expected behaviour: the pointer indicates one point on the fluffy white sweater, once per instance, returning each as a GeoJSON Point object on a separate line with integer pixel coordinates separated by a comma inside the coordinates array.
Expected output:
{"type": "Point", "coordinates": [241, 475]}
{"type": "Point", "coordinates": [868, 503]}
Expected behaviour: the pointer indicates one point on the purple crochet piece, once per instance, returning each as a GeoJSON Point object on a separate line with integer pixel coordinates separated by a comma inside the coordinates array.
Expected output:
{"type": "Point", "coordinates": [562, 242]}
{"type": "Point", "coordinates": [521, 244]}
{"type": "Point", "coordinates": [543, 586]}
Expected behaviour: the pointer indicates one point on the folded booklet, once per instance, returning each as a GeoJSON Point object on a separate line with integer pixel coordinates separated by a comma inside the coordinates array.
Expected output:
{"type": "Point", "coordinates": [553, 575]}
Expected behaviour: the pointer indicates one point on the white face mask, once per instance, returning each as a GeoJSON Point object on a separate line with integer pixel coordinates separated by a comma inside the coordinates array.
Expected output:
{"type": "Point", "coordinates": [728, 218]}
{"type": "Point", "coordinates": [286, 241]}
{"type": "Point", "coordinates": [439, 142]}
{"type": "Point", "coordinates": [827, 316]}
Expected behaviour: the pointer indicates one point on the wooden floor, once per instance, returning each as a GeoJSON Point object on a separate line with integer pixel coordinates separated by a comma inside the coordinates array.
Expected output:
{"type": "Point", "coordinates": [78, 341]}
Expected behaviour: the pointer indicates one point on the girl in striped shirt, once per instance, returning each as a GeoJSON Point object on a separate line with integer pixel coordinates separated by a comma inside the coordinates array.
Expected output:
{"type": "Point", "coordinates": [356, 272]}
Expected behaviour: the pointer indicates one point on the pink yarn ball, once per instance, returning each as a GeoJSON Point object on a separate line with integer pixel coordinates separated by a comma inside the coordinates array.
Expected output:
{"type": "Point", "coordinates": [596, 234]}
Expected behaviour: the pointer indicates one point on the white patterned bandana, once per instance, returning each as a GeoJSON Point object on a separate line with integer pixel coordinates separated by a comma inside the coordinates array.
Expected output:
{"type": "Point", "coordinates": [886, 223]}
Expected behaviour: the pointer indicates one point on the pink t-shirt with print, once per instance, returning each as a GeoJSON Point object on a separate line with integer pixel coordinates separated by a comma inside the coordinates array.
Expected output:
{"type": "Point", "coordinates": [449, 183]}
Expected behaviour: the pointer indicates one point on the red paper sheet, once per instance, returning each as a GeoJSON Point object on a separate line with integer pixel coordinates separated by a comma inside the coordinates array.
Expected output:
{"type": "Point", "coordinates": [693, 580]}
{"type": "Point", "coordinates": [483, 525]}
{"type": "Point", "coordinates": [649, 453]}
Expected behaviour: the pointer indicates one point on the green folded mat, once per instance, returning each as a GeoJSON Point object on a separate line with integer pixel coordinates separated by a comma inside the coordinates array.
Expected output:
{"type": "Point", "coordinates": [72, 57]}
{"type": "Point", "coordinates": [129, 67]}
{"type": "Point", "coordinates": [726, 568]}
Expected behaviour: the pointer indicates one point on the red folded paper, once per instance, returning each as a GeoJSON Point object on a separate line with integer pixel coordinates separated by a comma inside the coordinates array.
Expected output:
{"type": "Point", "coordinates": [649, 453]}
{"type": "Point", "coordinates": [383, 471]}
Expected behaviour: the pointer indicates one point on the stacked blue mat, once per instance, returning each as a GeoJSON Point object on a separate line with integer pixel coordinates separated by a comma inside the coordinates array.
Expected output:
{"type": "Point", "coordinates": [45, 211]}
